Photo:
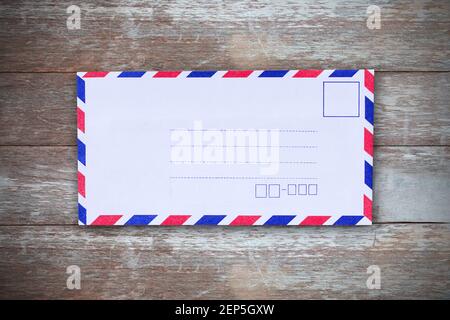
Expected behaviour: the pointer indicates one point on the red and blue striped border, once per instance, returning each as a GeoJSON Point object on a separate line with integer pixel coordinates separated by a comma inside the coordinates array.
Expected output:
{"type": "Point", "coordinates": [236, 220]}
{"type": "Point", "coordinates": [369, 91]}
{"type": "Point", "coordinates": [211, 73]}
{"type": "Point", "coordinates": [81, 146]}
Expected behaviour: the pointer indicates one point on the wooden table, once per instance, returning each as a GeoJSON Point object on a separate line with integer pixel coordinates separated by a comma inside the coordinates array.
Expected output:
{"type": "Point", "coordinates": [39, 237]}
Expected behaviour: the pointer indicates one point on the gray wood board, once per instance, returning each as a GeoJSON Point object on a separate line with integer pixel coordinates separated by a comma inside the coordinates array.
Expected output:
{"type": "Point", "coordinates": [410, 109]}
{"type": "Point", "coordinates": [118, 35]}
{"type": "Point", "coordinates": [38, 185]}
{"type": "Point", "coordinates": [226, 263]}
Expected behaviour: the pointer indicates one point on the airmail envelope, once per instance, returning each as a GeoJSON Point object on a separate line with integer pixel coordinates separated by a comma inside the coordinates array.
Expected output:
{"type": "Point", "coordinates": [273, 147]}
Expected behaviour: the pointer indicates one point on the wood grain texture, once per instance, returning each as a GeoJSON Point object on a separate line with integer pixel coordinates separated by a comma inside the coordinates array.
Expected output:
{"type": "Point", "coordinates": [38, 185]}
{"type": "Point", "coordinates": [212, 263]}
{"type": "Point", "coordinates": [38, 238]}
{"type": "Point", "coordinates": [410, 109]}
{"type": "Point", "coordinates": [121, 34]}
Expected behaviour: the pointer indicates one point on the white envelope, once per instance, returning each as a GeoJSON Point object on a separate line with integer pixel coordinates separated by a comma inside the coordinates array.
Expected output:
{"type": "Point", "coordinates": [273, 147]}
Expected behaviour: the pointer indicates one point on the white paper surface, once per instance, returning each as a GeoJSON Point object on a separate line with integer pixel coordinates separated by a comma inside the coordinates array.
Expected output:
{"type": "Point", "coordinates": [224, 146]}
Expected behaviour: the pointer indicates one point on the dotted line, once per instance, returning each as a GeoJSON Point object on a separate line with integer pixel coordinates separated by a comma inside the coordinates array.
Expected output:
{"type": "Point", "coordinates": [246, 162]}
{"type": "Point", "coordinates": [245, 130]}
{"type": "Point", "coordinates": [241, 178]}
{"type": "Point", "coordinates": [204, 146]}
{"type": "Point", "coordinates": [299, 131]}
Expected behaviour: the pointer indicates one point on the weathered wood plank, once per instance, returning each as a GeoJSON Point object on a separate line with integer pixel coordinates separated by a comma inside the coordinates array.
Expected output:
{"type": "Point", "coordinates": [125, 34]}
{"type": "Point", "coordinates": [37, 109]}
{"type": "Point", "coordinates": [38, 185]}
{"type": "Point", "coordinates": [216, 10]}
{"type": "Point", "coordinates": [412, 184]}
{"type": "Point", "coordinates": [411, 109]}
{"type": "Point", "coordinates": [213, 263]}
